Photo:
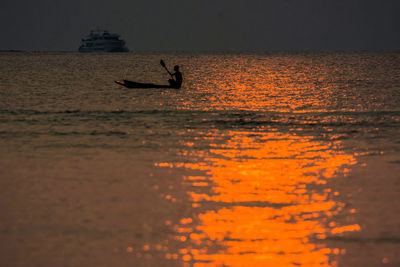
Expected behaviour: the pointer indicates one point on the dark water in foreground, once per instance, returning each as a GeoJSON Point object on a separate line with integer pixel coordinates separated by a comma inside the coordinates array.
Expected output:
{"type": "Point", "coordinates": [262, 159]}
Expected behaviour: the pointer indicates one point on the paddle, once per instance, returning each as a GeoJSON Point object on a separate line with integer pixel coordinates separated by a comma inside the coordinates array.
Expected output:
{"type": "Point", "coordinates": [165, 67]}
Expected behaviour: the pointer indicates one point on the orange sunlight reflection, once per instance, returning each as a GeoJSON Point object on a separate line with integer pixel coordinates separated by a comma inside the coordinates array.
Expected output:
{"type": "Point", "coordinates": [254, 83]}
{"type": "Point", "coordinates": [263, 201]}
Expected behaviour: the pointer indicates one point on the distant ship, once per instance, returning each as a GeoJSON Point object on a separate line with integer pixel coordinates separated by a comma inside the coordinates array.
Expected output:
{"type": "Point", "coordinates": [102, 41]}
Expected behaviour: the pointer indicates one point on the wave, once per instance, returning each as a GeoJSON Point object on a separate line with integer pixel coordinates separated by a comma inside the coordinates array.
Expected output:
{"type": "Point", "coordinates": [213, 112]}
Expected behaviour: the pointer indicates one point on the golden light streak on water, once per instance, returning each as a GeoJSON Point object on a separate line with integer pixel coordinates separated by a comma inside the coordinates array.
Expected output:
{"type": "Point", "coordinates": [251, 83]}
{"type": "Point", "coordinates": [259, 208]}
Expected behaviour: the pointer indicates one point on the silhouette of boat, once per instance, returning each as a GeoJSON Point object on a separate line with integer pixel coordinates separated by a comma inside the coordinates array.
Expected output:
{"type": "Point", "coordinates": [131, 84]}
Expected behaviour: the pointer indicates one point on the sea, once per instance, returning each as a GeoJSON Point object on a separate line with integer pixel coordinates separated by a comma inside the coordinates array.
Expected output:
{"type": "Point", "coordinates": [260, 159]}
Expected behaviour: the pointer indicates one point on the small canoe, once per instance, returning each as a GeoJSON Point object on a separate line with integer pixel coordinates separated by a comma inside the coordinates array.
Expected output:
{"type": "Point", "coordinates": [131, 84]}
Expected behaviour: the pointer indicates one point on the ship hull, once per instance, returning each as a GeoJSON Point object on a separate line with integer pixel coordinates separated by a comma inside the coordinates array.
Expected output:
{"type": "Point", "coordinates": [83, 49]}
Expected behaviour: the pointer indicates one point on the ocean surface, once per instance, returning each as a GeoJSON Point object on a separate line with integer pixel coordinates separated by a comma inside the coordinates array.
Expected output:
{"type": "Point", "coordinates": [279, 159]}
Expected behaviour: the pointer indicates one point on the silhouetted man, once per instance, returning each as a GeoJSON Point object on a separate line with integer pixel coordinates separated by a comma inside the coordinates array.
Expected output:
{"type": "Point", "coordinates": [177, 82]}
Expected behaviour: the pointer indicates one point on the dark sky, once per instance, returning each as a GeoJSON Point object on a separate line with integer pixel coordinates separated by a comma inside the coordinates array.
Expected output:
{"type": "Point", "coordinates": [206, 25]}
